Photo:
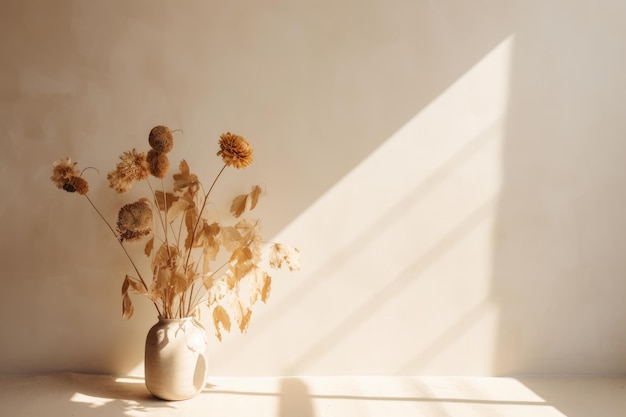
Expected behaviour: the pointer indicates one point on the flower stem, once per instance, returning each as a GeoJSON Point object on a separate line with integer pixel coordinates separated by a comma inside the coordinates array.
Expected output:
{"type": "Point", "coordinates": [123, 247]}
{"type": "Point", "coordinates": [195, 226]}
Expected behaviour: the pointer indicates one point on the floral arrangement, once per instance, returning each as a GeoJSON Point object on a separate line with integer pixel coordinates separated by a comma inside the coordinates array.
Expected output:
{"type": "Point", "coordinates": [195, 259]}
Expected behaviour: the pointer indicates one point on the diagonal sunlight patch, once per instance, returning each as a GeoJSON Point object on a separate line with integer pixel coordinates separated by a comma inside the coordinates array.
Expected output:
{"type": "Point", "coordinates": [449, 125]}
{"type": "Point", "coordinates": [399, 250]}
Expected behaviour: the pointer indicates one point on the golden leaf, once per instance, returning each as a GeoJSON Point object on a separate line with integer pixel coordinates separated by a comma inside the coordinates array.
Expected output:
{"type": "Point", "coordinates": [220, 317]}
{"type": "Point", "coordinates": [280, 253]}
{"type": "Point", "coordinates": [245, 321]}
{"type": "Point", "coordinates": [231, 238]}
{"type": "Point", "coordinates": [185, 179]}
{"type": "Point", "coordinates": [127, 307]}
{"type": "Point", "coordinates": [241, 263]}
{"type": "Point", "coordinates": [216, 290]}
{"type": "Point", "coordinates": [260, 286]}
{"type": "Point", "coordinates": [239, 205]}
{"type": "Point", "coordinates": [161, 281]}
{"type": "Point", "coordinates": [164, 200]}
{"type": "Point", "coordinates": [165, 256]}
{"type": "Point", "coordinates": [247, 230]}
{"type": "Point", "coordinates": [242, 315]}
{"type": "Point", "coordinates": [178, 282]}
{"type": "Point", "coordinates": [210, 248]}
{"type": "Point", "coordinates": [134, 284]}
{"type": "Point", "coordinates": [148, 249]}
{"type": "Point", "coordinates": [267, 286]}
{"type": "Point", "coordinates": [207, 234]}
{"type": "Point", "coordinates": [176, 210]}
{"type": "Point", "coordinates": [241, 201]}
{"type": "Point", "coordinates": [125, 285]}
{"type": "Point", "coordinates": [254, 196]}
{"type": "Point", "coordinates": [191, 216]}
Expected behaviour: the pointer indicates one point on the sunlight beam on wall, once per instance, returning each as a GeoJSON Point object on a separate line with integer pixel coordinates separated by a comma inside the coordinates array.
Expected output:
{"type": "Point", "coordinates": [410, 225]}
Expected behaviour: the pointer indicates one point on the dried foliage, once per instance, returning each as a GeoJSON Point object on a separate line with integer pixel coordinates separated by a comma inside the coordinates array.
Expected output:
{"type": "Point", "coordinates": [196, 259]}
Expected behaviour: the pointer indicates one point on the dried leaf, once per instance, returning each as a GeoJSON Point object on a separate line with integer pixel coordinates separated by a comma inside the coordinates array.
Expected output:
{"type": "Point", "coordinates": [280, 254]}
{"type": "Point", "coordinates": [254, 196]}
{"type": "Point", "coordinates": [260, 286]}
{"type": "Point", "coordinates": [216, 290]}
{"type": "Point", "coordinates": [241, 202]}
{"type": "Point", "coordinates": [177, 209]}
{"type": "Point", "coordinates": [207, 234]}
{"type": "Point", "coordinates": [247, 230]}
{"type": "Point", "coordinates": [161, 281]}
{"type": "Point", "coordinates": [125, 285]}
{"type": "Point", "coordinates": [191, 216]}
{"type": "Point", "coordinates": [127, 307]}
{"type": "Point", "coordinates": [231, 238]}
{"type": "Point", "coordinates": [241, 263]}
{"type": "Point", "coordinates": [220, 320]}
{"type": "Point", "coordinates": [164, 200]}
{"type": "Point", "coordinates": [148, 249]}
{"type": "Point", "coordinates": [165, 257]}
{"type": "Point", "coordinates": [178, 282]}
{"type": "Point", "coordinates": [185, 179]}
{"type": "Point", "coordinates": [267, 286]}
{"type": "Point", "coordinates": [133, 284]}
{"type": "Point", "coordinates": [210, 250]}
{"type": "Point", "coordinates": [242, 315]}
{"type": "Point", "coordinates": [245, 321]}
{"type": "Point", "coordinates": [239, 205]}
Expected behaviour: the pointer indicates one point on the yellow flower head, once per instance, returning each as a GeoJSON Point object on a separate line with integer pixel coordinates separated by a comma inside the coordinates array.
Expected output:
{"type": "Point", "coordinates": [235, 150]}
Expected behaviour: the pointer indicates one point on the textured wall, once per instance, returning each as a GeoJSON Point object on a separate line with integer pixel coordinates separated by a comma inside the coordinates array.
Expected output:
{"type": "Point", "coordinates": [452, 172]}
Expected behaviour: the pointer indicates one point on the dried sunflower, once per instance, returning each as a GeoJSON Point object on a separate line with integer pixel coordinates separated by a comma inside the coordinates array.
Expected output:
{"type": "Point", "coordinates": [235, 150]}
{"type": "Point", "coordinates": [134, 220]}
{"type": "Point", "coordinates": [158, 163]}
{"type": "Point", "coordinates": [161, 139]}
{"type": "Point", "coordinates": [133, 166]}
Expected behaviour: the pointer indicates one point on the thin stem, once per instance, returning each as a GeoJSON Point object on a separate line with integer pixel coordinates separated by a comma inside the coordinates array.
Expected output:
{"type": "Point", "coordinates": [123, 247]}
{"type": "Point", "coordinates": [195, 226]}
{"type": "Point", "coordinates": [159, 212]}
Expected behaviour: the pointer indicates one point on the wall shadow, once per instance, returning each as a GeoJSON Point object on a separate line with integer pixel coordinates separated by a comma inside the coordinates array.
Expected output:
{"type": "Point", "coordinates": [581, 397]}
{"type": "Point", "coordinates": [295, 399]}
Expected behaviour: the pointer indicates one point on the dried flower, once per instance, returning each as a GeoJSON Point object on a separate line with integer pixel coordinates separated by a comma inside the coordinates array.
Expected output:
{"type": "Point", "coordinates": [134, 220]}
{"type": "Point", "coordinates": [76, 185]}
{"type": "Point", "coordinates": [161, 139]}
{"type": "Point", "coordinates": [158, 163]}
{"type": "Point", "coordinates": [66, 177]}
{"type": "Point", "coordinates": [63, 171]}
{"type": "Point", "coordinates": [133, 166]}
{"type": "Point", "coordinates": [185, 245]}
{"type": "Point", "coordinates": [235, 150]}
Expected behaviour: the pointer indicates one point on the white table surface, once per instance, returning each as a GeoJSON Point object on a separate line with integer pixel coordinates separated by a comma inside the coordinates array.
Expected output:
{"type": "Point", "coordinates": [70, 394]}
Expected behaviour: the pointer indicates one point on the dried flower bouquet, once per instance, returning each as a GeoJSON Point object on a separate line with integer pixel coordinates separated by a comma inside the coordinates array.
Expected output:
{"type": "Point", "coordinates": [183, 240]}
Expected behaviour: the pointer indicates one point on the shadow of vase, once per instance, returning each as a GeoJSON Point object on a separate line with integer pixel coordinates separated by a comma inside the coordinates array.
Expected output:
{"type": "Point", "coordinates": [295, 400]}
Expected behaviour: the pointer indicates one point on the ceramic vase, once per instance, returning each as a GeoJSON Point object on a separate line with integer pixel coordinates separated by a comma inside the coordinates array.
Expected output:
{"type": "Point", "coordinates": [176, 358]}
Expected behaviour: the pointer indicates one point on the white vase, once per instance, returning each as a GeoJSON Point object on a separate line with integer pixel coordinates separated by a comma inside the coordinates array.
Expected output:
{"type": "Point", "coordinates": [176, 358]}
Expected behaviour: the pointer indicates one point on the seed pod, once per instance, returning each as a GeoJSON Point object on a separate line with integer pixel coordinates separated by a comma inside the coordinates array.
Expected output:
{"type": "Point", "coordinates": [161, 139]}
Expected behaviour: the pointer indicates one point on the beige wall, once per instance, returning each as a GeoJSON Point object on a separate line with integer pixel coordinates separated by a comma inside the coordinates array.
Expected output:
{"type": "Point", "coordinates": [452, 171]}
